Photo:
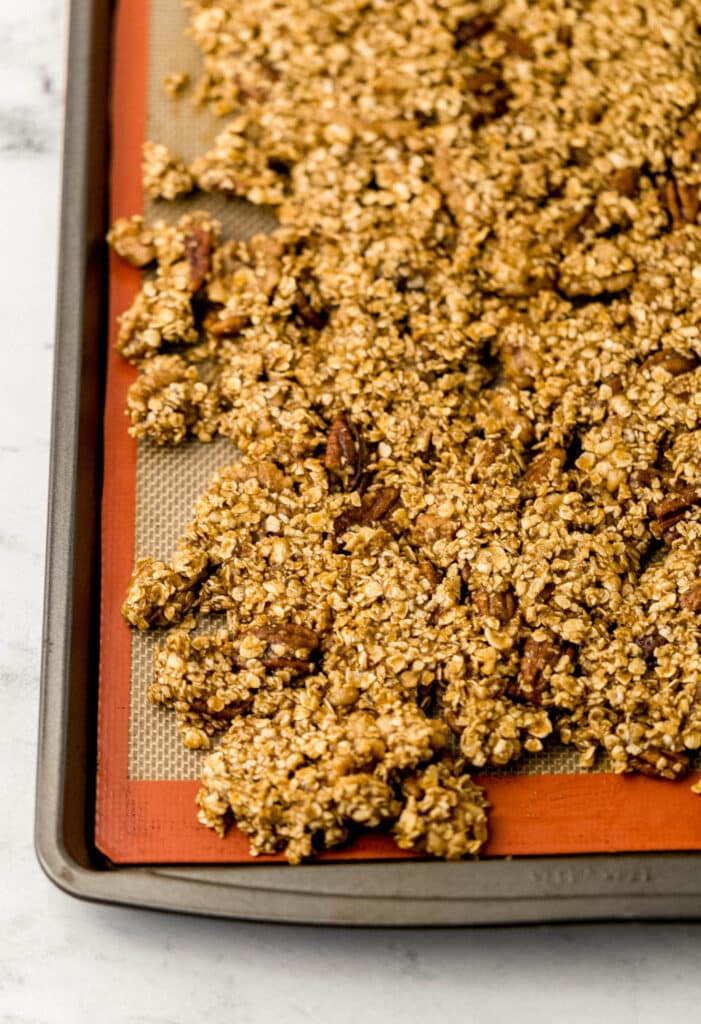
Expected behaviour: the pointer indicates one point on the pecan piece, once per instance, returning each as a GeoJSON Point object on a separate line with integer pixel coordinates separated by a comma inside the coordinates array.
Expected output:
{"type": "Point", "coordinates": [379, 504]}
{"type": "Point", "coordinates": [615, 382]}
{"type": "Point", "coordinates": [429, 527]}
{"type": "Point", "coordinates": [574, 226]}
{"type": "Point", "coordinates": [469, 29]}
{"type": "Point", "coordinates": [672, 509]}
{"type": "Point", "coordinates": [225, 714]}
{"type": "Point", "coordinates": [198, 250]}
{"type": "Point", "coordinates": [500, 605]}
{"type": "Point", "coordinates": [496, 104]}
{"type": "Point", "coordinates": [688, 201]}
{"type": "Point", "coordinates": [225, 325]}
{"type": "Point", "coordinates": [691, 598]}
{"type": "Point", "coordinates": [647, 477]}
{"type": "Point", "coordinates": [657, 763]}
{"type": "Point", "coordinates": [307, 311]}
{"type": "Point", "coordinates": [484, 81]}
{"type": "Point", "coordinates": [649, 643]}
{"type": "Point", "coordinates": [540, 658]}
{"type": "Point", "coordinates": [625, 181]}
{"type": "Point", "coordinates": [429, 572]}
{"type": "Point", "coordinates": [548, 464]}
{"type": "Point", "coordinates": [346, 452]}
{"type": "Point", "coordinates": [516, 45]}
{"type": "Point", "coordinates": [680, 201]}
{"type": "Point", "coordinates": [372, 509]}
{"type": "Point", "coordinates": [287, 646]}
{"type": "Point", "coordinates": [675, 363]}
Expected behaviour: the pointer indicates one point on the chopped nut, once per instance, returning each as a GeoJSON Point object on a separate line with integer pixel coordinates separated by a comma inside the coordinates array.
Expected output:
{"type": "Point", "coordinates": [484, 81]}
{"type": "Point", "coordinates": [649, 643]}
{"type": "Point", "coordinates": [429, 572]}
{"type": "Point", "coordinates": [429, 527]}
{"type": "Point", "coordinates": [225, 714]}
{"type": "Point", "coordinates": [501, 606]}
{"type": "Point", "coordinates": [469, 29]}
{"type": "Point", "coordinates": [516, 45]}
{"type": "Point", "coordinates": [681, 201]}
{"type": "Point", "coordinates": [198, 249]}
{"type": "Point", "coordinates": [575, 225]}
{"type": "Point", "coordinates": [625, 181]}
{"type": "Point", "coordinates": [540, 658]}
{"type": "Point", "coordinates": [674, 363]}
{"type": "Point", "coordinates": [224, 325]}
{"type": "Point", "coordinates": [658, 763]}
{"type": "Point", "coordinates": [345, 452]}
{"type": "Point", "coordinates": [522, 366]}
{"type": "Point", "coordinates": [311, 316]}
{"type": "Point", "coordinates": [691, 598]}
{"type": "Point", "coordinates": [373, 508]}
{"type": "Point", "coordinates": [286, 646]}
{"type": "Point", "coordinates": [673, 509]}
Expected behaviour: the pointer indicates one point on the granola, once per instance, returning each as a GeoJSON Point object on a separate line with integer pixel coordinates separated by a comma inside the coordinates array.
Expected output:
{"type": "Point", "coordinates": [165, 175]}
{"type": "Point", "coordinates": [462, 377]}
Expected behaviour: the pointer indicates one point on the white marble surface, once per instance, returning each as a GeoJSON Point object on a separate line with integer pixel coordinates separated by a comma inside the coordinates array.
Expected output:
{"type": "Point", "coordinates": [64, 961]}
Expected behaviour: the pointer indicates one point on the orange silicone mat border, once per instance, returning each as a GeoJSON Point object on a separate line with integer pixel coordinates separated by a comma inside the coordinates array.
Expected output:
{"type": "Point", "coordinates": [155, 822]}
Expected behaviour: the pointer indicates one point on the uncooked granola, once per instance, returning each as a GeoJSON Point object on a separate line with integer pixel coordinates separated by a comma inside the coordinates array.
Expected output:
{"type": "Point", "coordinates": [461, 382]}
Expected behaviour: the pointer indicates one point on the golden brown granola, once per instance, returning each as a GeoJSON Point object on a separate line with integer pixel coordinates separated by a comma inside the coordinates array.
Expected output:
{"type": "Point", "coordinates": [164, 173]}
{"type": "Point", "coordinates": [463, 377]}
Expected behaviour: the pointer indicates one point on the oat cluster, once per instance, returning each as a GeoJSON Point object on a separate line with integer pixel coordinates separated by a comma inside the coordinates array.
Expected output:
{"type": "Point", "coordinates": [463, 377]}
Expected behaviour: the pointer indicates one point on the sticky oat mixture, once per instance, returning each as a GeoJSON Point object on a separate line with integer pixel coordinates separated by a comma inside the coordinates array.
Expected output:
{"type": "Point", "coordinates": [461, 382]}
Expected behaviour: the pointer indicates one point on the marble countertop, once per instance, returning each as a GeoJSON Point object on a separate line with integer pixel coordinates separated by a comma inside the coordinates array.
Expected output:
{"type": "Point", "coordinates": [62, 960]}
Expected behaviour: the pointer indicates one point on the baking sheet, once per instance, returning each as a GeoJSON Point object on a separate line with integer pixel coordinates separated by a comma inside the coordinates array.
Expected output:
{"type": "Point", "coordinates": [147, 780]}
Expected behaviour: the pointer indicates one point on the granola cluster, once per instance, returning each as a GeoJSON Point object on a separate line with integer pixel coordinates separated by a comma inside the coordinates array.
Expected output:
{"type": "Point", "coordinates": [323, 671]}
{"type": "Point", "coordinates": [463, 376]}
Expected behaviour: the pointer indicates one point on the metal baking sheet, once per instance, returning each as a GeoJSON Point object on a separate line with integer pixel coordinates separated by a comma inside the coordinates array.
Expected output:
{"type": "Point", "coordinates": [360, 893]}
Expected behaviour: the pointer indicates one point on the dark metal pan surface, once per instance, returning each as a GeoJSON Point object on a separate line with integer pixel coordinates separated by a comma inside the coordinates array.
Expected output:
{"type": "Point", "coordinates": [395, 893]}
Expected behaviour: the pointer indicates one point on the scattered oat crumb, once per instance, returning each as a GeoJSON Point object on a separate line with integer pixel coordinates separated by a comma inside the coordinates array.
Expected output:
{"type": "Point", "coordinates": [176, 83]}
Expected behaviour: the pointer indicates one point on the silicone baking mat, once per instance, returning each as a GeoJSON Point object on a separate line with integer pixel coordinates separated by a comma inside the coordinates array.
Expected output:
{"type": "Point", "coordinates": [147, 780]}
